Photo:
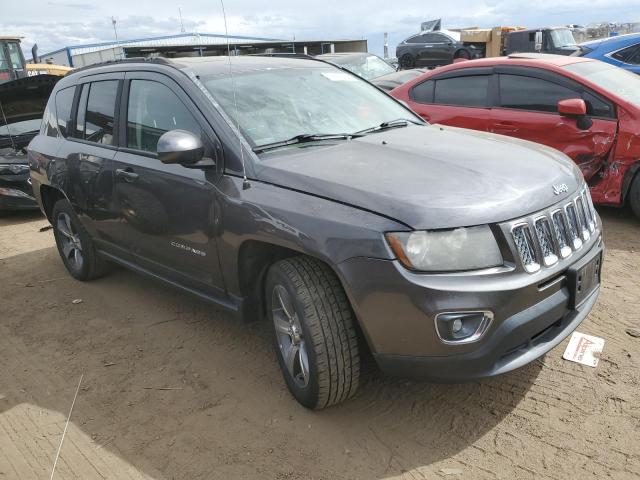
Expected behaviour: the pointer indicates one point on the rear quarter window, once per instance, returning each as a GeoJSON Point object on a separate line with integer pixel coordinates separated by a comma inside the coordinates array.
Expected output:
{"type": "Point", "coordinates": [64, 102]}
{"type": "Point", "coordinates": [423, 92]}
{"type": "Point", "coordinates": [49, 125]}
{"type": "Point", "coordinates": [630, 55]}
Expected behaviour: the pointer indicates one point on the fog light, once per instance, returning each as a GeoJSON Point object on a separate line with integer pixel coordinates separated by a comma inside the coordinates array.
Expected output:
{"type": "Point", "coordinates": [462, 327]}
{"type": "Point", "coordinates": [456, 326]}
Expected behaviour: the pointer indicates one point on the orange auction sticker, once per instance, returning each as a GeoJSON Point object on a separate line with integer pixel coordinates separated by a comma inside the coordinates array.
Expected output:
{"type": "Point", "coordinates": [584, 349]}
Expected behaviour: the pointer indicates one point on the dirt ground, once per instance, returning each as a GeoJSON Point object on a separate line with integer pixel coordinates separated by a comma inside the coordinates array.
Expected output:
{"type": "Point", "coordinates": [175, 389]}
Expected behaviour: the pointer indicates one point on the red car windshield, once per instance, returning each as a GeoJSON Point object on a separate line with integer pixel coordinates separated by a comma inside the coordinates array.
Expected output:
{"type": "Point", "coordinates": [613, 79]}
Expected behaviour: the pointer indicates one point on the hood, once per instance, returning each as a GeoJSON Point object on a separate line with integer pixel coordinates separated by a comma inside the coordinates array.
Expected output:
{"type": "Point", "coordinates": [25, 98]}
{"type": "Point", "coordinates": [428, 177]}
{"type": "Point", "coordinates": [593, 44]}
{"type": "Point", "coordinates": [23, 102]}
{"type": "Point", "coordinates": [568, 49]}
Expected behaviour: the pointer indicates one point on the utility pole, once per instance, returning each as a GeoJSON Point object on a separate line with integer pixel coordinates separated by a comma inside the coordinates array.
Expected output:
{"type": "Point", "coordinates": [181, 23]}
{"type": "Point", "coordinates": [386, 45]}
{"type": "Point", "coordinates": [113, 22]}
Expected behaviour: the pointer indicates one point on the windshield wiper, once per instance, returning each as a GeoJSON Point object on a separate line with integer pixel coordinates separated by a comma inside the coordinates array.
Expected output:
{"type": "Point", "coordinates": [303, 138]}
{"type": "Point", "coordinates": [397, 123]}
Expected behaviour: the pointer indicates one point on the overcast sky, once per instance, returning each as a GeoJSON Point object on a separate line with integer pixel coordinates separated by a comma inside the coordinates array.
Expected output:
{"type": "Point", "coordinates": [55, 24]}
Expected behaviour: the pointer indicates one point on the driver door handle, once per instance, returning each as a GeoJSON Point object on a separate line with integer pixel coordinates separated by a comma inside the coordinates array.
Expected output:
{"type": "Point", "coordinates": [127, 174]}
{"type": "Point", "coordinates": [505, 127]}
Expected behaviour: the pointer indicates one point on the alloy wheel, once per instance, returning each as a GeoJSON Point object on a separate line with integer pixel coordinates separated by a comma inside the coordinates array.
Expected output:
{"type": "Point", "coordinates": [289, 334]}
{"type": "Point", "coordinates": [406, 62]}
{"type": "Point", "coordinates": [71, 245]}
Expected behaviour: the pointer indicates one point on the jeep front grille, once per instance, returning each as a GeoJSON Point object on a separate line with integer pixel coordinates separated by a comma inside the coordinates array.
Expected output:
{"type": "Point", "coordinates": [555, 235]}
{"type": "Point", "coordinates": [560, 232]}
{"type": "Point", "coordinates": [525, 246]}
{"type": "Point", "coordinates": [545, 240]}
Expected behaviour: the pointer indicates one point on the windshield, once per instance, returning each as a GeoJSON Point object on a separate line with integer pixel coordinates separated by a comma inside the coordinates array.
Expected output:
{"type": "Point", "coordinates": [616, 80]}
{"type": "Point", "coordinates": [367, 67]}
{"type": "Point", "coordinates": [20, 128]}
{"type": "Point", "coordinates": [563, 38]}
{"type": "Point", "coordinates": [277, 104]}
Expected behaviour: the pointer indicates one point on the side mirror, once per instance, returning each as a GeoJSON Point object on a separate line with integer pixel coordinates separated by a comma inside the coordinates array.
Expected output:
{"type": "Point", "coordinates": [538, 41]}
{"type": "Point", "coordinates": [572, 107]}
{"type": "Point", "coordinates": [180, 146]}
{"type": "Point", "coordinates": [577, 108]}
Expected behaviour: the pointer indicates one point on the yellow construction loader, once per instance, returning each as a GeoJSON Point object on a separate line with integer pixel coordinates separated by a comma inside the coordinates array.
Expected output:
{"type": "Point", "coordinates": [13, 65]}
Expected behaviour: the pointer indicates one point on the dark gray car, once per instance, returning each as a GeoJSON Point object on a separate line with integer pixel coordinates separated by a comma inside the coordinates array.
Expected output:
{"type": "Point", "coordinates": [296, 192]}
{"type": "Point", "coordinates": [363, 64]}
{"type": "Point", "coordinates": [433, 49]}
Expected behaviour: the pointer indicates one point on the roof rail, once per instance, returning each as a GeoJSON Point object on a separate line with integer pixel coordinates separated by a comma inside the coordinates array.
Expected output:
{"type": "Point", "coordinates": [281, 55]}
{"type": "Point", "coordinates": [158, 60]}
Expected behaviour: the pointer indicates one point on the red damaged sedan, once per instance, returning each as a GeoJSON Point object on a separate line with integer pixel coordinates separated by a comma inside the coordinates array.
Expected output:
{"type": "Point", "coordinates": [585, 108]}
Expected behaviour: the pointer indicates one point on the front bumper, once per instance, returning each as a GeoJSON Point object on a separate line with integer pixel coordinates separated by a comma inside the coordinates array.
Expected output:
{"type": "Point", "coordinates": [16, 192]}
{"type": "Point", "coordinates": [396, 309]}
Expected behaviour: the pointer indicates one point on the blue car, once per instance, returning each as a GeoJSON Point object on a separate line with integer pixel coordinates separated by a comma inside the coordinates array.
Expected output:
{"type": "Point", "coordinates": [622, 51]}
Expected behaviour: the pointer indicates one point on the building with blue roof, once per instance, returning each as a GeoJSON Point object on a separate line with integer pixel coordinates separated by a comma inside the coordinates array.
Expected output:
{"type": "Point", "coordinates": [193, 44]}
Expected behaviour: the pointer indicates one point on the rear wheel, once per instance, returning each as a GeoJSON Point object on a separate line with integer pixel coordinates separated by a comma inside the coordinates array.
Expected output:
{"type": "Point", "coordinates": [462, 54]}
{"type": "Point", "coordinates": [407, 61]}
{"type": "Point", "coordinates": [634, 196]}
{"type": "Point", "coordinates": [74, 244]}
{"type": "Point", "coordinates": [314, 332]}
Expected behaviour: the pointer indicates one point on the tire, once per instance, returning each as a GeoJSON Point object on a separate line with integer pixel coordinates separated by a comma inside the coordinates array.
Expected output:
{"type": "Point", "coordinates": [462, 54]}
{"type": "Point", "coordinates": [407, 61]}
{"type": "Point", "coordinates": [307, 304]}
{"type": "Point", "coordinates": [75, 245]}
{"type": "Point", "coordinates": [634, 196]}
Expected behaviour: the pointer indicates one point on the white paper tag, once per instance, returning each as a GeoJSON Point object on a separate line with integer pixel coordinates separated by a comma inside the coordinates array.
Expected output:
{"type": "Point", "coordinates": [339, 76]}
{"type": "Point", "coordinates": [584, 349]}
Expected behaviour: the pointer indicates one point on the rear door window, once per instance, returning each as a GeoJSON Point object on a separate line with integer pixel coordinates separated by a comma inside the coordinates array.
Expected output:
{"type": "Point", "coordinates": [153, 110]}
{"type": "Point", "coordinates": [471, 91]}
{"type": "Point", "coordinates": [529, 93]}
{"type": "Point", "coordinates": [96, 123]}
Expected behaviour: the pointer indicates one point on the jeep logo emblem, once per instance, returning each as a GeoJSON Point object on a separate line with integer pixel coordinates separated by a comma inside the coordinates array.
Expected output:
{"type": "Point", "coordinates": [558, 189]}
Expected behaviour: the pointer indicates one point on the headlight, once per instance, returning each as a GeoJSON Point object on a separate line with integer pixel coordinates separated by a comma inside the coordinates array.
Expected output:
{"type": "Point", "coordinates": [14, 192]}
{"type": "Point", "coordinates": [446, 250]}
{"type": "Point", "coordinates": [13, 168]}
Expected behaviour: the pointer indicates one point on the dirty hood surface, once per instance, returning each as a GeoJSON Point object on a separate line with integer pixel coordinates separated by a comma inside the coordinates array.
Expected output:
{"type": "Point", "coordinates": [427, 177]}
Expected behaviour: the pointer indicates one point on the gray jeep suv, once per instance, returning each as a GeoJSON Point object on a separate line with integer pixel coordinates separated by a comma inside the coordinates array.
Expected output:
{"type": "Point", "coordinates": [295, 191]}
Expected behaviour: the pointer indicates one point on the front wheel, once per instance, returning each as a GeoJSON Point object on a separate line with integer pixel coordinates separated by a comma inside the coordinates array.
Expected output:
{"type": "Point", "coordinates": [314, 332]}
{"type": "Point", "coordinates": [464, 54]}
{"type": "Point", "coordinates": [634, 196]}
